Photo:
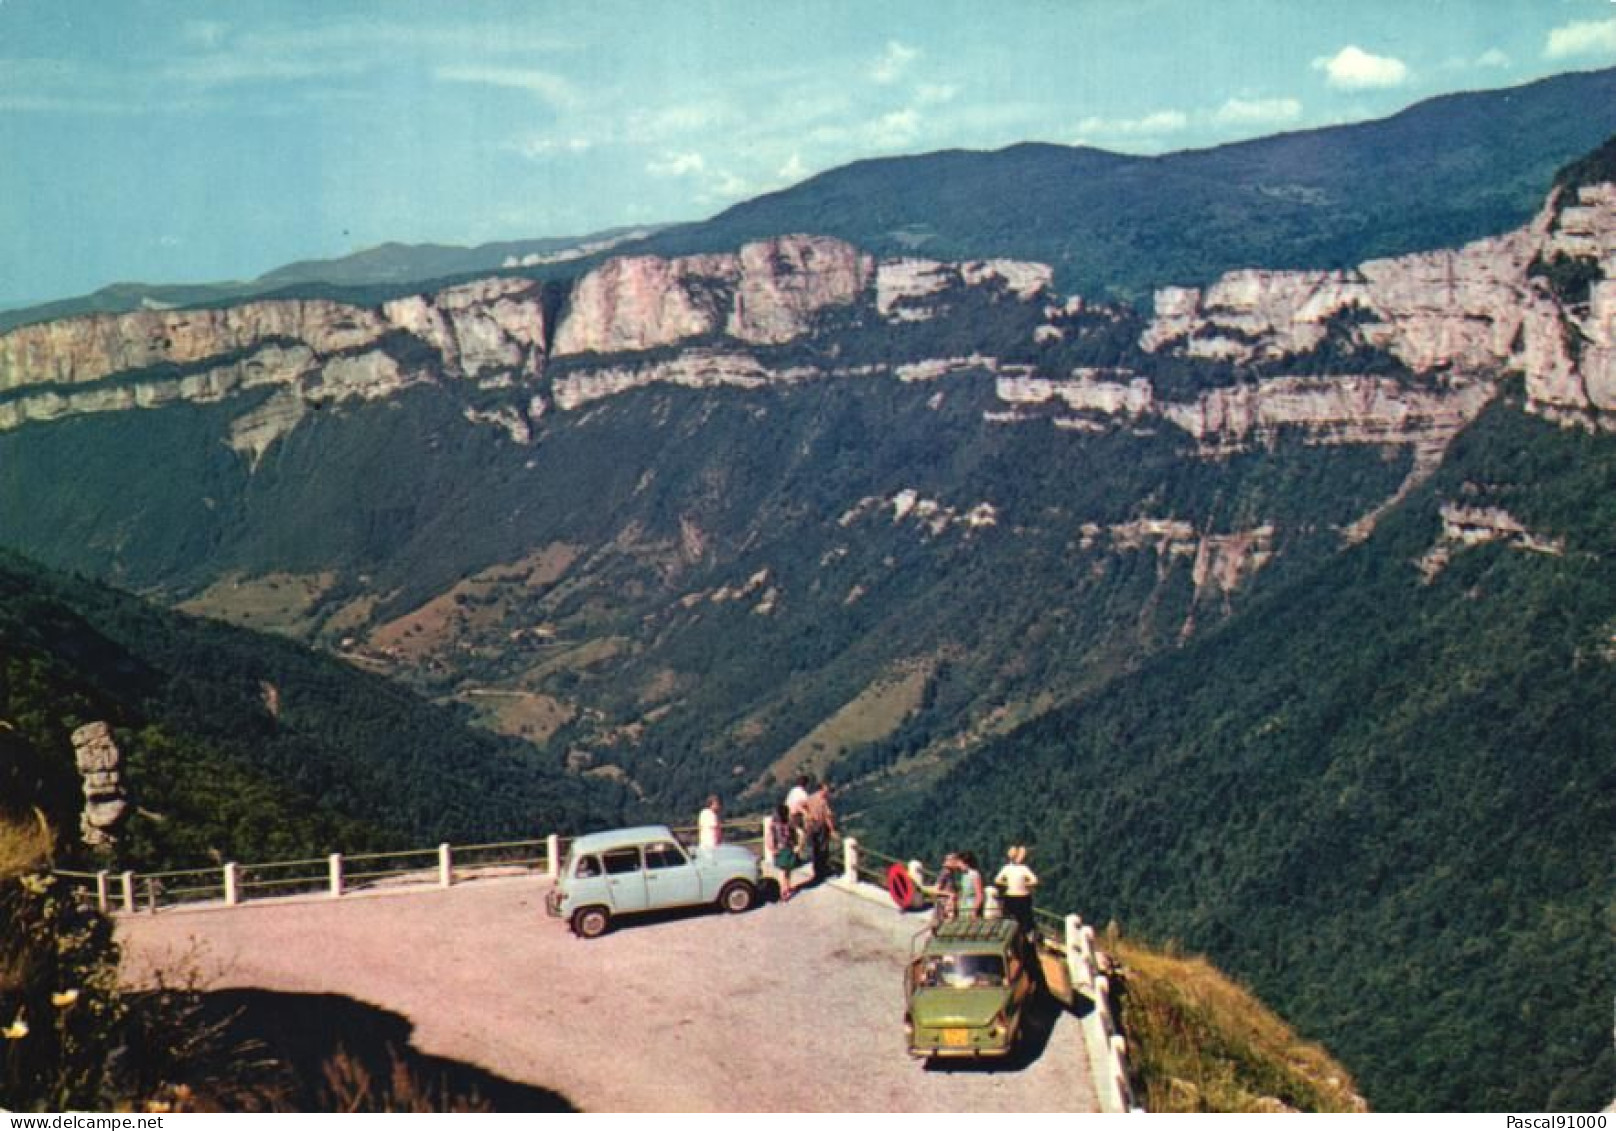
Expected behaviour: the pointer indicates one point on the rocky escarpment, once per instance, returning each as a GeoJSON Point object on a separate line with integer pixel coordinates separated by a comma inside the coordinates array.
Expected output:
{"type": "Point", "coordinates": [309, 351]}
{"type": "Point", "coordinates": [1540, 300]}
{"type": "Point", "coordinates": [1488, 306]}
{"type": "Point", "coordinates": [766, 293]}
{"type": "Point", "coordinates": [1466, 525]}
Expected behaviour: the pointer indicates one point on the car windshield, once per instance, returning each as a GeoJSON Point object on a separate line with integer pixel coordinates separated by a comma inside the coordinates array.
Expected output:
{"type": "Point", "coordinates": [962, 971]}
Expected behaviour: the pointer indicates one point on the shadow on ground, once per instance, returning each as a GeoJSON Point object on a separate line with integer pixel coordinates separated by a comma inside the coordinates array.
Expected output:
{"type": "Point", "coordinates": [325, 1052]}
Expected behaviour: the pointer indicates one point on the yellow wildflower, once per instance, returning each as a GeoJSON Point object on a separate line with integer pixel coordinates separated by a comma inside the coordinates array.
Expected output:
{"type": "Point", "coordinates": [17, 1030]}
{"type": "Point", "coordinates": [65, 998]}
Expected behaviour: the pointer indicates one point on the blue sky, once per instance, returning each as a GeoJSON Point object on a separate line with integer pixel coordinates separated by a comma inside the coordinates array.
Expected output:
{"type": "Point", "coordinates": [181, 140]}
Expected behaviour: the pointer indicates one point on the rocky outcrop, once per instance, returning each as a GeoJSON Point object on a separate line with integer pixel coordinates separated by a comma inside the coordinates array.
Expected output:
{"type": "Point", "coordinates": [1112, 392]}
{"type": "Point", "coordinates": [766, 293]}
{"type": "Point", "coordinates": [1329, 410]}
{"type": "Point", "coordinates": [785, 282]}
{"type": "Point", "coordinates": [1318, 410]}
{"type": "Point", "coordinates": [1220, 564]}
{"type": "Point", "coordinates": [903, 286]}
{"type": "Point", "coordinates": [930, 515]}
{"type": "Point", "coordinates": [1485, 307]}
{"type": "Point", "coordinates": [1464, 526]}
{"type": "Point", "coordinates": [486, 327]}
{"type": "Point", "coordinates": [100, 765]}
{"type": "Point", "coordinates": [691, 369]}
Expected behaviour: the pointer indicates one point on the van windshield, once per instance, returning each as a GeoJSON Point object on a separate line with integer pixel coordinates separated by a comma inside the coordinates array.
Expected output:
{"type": "Point", "coordinates": [962, 971]}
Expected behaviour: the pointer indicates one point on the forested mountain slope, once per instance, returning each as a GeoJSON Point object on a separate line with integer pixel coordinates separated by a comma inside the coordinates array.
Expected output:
{"type": "Point", "coordinates": [1438, 174]}
{"type": "Point", "coordinates": [242, 746]}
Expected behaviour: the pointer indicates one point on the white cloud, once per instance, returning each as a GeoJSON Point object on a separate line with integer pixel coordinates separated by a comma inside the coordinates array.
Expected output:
{"type": "Point", "coordinates": [1159, 122]}
{"type": "Point", "coordinates": [935, 93]}
{"type": "Point", "coordinates": [1582, 37]}
{"type": "Point", "coordinates": [1492, 57]}
{"type": "Point", "coordinates": [793, 170]}
{"type": "Point", "coordinates": [1353, 68]}
{"type": "Point", "coordinates": [729, 185]}
{"type": "Point", "coordinates": [537, 148]}
{"type": "Point", "coordinates": [677, 165]}
{"type": "Point", "coordinates": [551, 88]}
{"type": "Point", "coordinates": [893, 62]}
{"type": "Point", "coordinates": [1257, 111]}
{"type": "Point", "coordinates": [896, 128]}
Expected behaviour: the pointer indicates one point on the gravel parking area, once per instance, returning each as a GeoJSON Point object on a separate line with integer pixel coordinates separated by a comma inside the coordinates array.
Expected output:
{"type": "Point", "coordinates": [790, 1007]}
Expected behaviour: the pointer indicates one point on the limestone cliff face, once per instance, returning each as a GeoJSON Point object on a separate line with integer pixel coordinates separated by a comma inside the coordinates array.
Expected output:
{"type": "Point", "coordinates": [766, 293]}
{"type": "Point", "coordinates": [312, 350]}
{"type": "Point", "coordinates": [1483, 307]}
{"type": "Point", "coordinates": [483, 325]}
{"type": "Point", "coordinates": [78, 351]}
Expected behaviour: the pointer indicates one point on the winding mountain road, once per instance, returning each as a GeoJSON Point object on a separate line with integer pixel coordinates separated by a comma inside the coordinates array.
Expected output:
{"type": "Point", "coordinates": [791, 1007]}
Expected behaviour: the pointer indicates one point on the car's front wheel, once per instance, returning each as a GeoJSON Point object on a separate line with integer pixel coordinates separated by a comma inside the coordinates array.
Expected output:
{"type": "Point", "coordinates": [737, 896]}
{"type": "Point", "coordinates": [591, 922]}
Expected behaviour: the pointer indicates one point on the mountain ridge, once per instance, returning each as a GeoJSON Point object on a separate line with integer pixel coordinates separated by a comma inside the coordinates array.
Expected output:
{"type": "Point", "coordinates": [1552, 121]}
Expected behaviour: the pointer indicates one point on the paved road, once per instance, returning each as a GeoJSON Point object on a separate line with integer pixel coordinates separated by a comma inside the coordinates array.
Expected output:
{"type": "Point", "coordinates": [791, 1007]}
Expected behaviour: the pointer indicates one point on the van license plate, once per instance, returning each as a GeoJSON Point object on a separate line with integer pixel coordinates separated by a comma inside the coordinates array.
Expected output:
{"type": "Point", "coordinates": [956, 1038]}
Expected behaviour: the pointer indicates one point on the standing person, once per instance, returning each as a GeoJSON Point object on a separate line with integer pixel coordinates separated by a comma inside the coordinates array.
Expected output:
{"type": "Point", "coordinates": [710, 824]}
{"type": "Point", "coordinates": [798, 795]}
{"type": "Point", "coordinates": [946, 902]}
{"type": "Point", "coordinates": [785, 847]}
{"type": "Point", "coordinates": [1016, 880]}
{"type": "Point", "coordinates": [821, 821]}
{"type": "Point", "coordinates": [972, 892]}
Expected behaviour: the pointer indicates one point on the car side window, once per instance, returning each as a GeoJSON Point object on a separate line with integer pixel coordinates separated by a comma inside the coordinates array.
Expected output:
{"type": "Point", "coordinates": [588, 868]}
{"type": "Point", "coordinates": [620, 861]}
{"type": "Point", "coordinates": [663, 854]}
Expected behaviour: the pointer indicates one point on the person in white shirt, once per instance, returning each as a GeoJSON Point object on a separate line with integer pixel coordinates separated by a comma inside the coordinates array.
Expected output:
{"type": "Point", "coordinates": [798, 797]}
{"type": "Point", "coordinates": [709, 825]}
{"type": "Point", "coordinates": [1016, 881]}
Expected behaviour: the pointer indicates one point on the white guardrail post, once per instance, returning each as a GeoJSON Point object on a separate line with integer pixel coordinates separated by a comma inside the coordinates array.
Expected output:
{"type": "Point", "coordinates": [103, 895]}
{"type": "Point", "coordinates": [334, 869]}
{"type": "Point", "coordinates": [850, 859]}
{"type": "Point", "coordinates": [232, 884]}
{"type": "Point", "coordinates": [128, 882]}
{"type": "Point", "coordinates": [445, 866]}
{"type": "Point", "coordinates": [552, 856]}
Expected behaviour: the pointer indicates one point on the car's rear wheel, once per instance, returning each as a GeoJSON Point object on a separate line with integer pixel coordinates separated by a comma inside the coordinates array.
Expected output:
{"type": "Point", "coordinates": [737, 896]}
{"type": "Point", "coordinates": [591, 922]}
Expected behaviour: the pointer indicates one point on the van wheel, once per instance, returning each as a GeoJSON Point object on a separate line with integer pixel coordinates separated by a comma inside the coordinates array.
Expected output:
{"type": "Point", "coordinates": [591, 922]}
{"type": "Point", "coordinates": [737, 896]}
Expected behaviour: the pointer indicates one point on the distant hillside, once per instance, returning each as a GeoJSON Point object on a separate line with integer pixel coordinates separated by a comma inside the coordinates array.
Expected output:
{"type": "Point", "coordinates": [244, 746]}
{"type": "Point", "coordinates": [1381, 795]}
{"type": "Point", "coordinates": [1442, 172]}
{"type": "Point", "coordinates": [378, 272]}
{"type": "Point", "coordinates": [414, 263]}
